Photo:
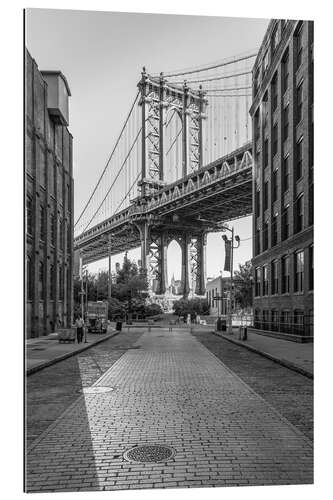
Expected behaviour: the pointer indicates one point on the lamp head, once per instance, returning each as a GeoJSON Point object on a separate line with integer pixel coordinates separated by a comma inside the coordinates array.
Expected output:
{"type": "Point", "coordinates": [237, 238]}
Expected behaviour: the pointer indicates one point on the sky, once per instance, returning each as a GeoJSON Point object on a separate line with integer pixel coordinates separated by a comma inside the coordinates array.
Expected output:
{"type": "Point", "coordinates": [102, 54]}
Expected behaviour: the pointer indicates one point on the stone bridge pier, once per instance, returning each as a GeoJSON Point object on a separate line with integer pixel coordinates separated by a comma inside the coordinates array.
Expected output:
{"type": "Point", "coordinates": [154, 246]}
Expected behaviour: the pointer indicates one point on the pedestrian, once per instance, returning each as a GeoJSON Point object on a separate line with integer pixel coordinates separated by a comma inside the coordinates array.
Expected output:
{"type": "Point", "coordinates": [79, 329]}
{"type": "Point", "coordinates": [170, 326]}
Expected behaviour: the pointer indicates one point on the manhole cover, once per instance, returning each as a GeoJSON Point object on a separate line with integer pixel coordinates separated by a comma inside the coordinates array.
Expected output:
{"type": "Point", "coordinates": [149, 453]}
{"type": "Point", "coordinates": [97, 390]}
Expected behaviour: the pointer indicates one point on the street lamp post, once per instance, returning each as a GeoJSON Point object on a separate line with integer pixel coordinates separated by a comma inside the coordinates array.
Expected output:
{"type": "Point", "coordinates": [232, 248]}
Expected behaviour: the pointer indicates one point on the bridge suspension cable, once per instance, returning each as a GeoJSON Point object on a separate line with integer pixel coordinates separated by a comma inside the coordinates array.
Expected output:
{"type": "Point", "coordinates": [108, 162]}
{"type": "Point", "coordinates": [219, 64]}
{"type": "Point", "coordinates": [113, 183]}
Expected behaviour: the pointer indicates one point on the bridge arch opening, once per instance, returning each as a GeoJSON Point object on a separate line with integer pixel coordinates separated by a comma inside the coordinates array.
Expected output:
{"type": "Point", "coordinates": [174, 259]}
{"type": "Point", "coordinates": [172, 145]}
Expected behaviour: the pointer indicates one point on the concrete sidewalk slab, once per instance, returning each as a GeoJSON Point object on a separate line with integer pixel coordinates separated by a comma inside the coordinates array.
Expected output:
{"type": "Point", "coordinates": [45, 351]}
{"type": "Point", "coordinates": [296, 356]}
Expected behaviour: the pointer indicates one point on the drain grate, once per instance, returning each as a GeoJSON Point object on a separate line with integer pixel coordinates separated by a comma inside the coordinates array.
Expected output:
{"type": "Point", "coordinates": [149, 453]}
{"type": "Point", "coordinates": [97, 390]}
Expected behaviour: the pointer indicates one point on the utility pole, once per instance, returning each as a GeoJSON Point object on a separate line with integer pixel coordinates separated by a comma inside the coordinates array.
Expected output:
{"type": "Point", "coordinates": [110, 272]}
{"type": "Point", "coordinates": [229, 267]}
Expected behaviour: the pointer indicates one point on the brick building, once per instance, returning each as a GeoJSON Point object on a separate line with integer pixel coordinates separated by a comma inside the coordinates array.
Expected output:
{"type": "Point", "coordinates": [282, 119]}
{"type": "Point", "coordinates": [218, 287]}
{"type": "Point", "coordinates": [49, 201]}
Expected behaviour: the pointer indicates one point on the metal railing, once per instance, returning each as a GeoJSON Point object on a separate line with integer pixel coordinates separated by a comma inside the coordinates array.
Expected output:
{"type": "Point", "coordinates": [303, 328]}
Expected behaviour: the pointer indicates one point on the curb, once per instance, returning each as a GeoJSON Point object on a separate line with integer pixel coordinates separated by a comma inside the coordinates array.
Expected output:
{"type": "Point", "coordinates": [53, 361]}
{"type": "Point", "coordinates": [281, 362]}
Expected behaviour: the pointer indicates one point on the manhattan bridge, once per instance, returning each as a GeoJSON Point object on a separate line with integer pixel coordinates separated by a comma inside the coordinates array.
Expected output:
{"type": "Point", "coordinates": [180, 168]}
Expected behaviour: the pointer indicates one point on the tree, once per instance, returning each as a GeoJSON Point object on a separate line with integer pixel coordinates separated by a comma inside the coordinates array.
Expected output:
{"type": "Point", "coordinates": [243, 285]}
{"type": "Point", "coordinates": [183, 307]}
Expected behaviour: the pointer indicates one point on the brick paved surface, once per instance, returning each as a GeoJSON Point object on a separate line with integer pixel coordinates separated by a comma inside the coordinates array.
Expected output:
{"type": "Point", "coordinates": [171, 390]}
{"type": "Point", "coordinates": [288, 391]}
{"type": "Point", "coordinates": [50, 391]}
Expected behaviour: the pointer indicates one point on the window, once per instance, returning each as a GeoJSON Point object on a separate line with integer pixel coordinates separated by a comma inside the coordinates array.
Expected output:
{"type": "Point", "coordinates": [42, 222]}
{"type": "Point", "coordinates": [265, 280]}
{"type": "Point", "coordinates": [285, 264]}
{"type": "Point", "coordinates": [274, 186]}
{"type": "Point", "coordinates": [265, 236]}
{"type": "Point", "coordinates": [285, 322]}
{"type": "Point", "coordinates": [41, 280]}
{"type": "Point", "coordinates": [299, 46]}
{"type": "Point", "coordinates": [264, 107]}
{"type": "Point", "coordinates": [285, 174]}
{"type": "Point", "coordinates": [265, 62]}
{"type": "Point", "coordinates": [257, 281]}
{"type": "Point", "coordinates": [257, 322]}
{"type": "Point", "coordinates": [275, 38]}
{"type": "Point", "coordinates": [69, 238]}
{"type": "Point", "coordinates": [257, 241]}
{"type": "Point", "coordinates": [298, 322]}
{"type": "Point", "coordinates": [299, 103]}
{"type": "Point", "coordinates": [265, 195]}
{"type": "Point", "coordinates": [275, 139]}
{"type": "Point", "coordinates": [274, 320]}
{"type": "Point", "coordinates": [274, 92]}
{"type": "Point", "coordinates": [61, 234]}
{"type": "Point", "coordinates": [311, 267]}
{"type": "Point", "coordinates": [257, 202]}
{"type": "Point", "coordinates": [300, 213]}
{"type": "Point", "coordinates": [257, 125]}
{"type": "Point", "coordinates": [275, 277]}
{"type": "Point", "coordinates": [285, 71]}
{"type": "Point", "coordinates": [53, 228]}
{"type": "Point", "coordinates": [256, 80]}
{"type": "Point", "coordinates": [311, 214]}
{"type": "Point", "coordinates": [68, 198]}
{"type": "Point", "coordinates": [299, 271]}
{"type": "Point", "coordinates": [29, 279]}
{"type": "Point", "coordinates": [61, 283]}
{"type": "Point", "coordinates": [285, 122]}
{"type": "Point", "coordinates": [52, 282]}
{"type": "Point", "coordinates": [285, 223]}
{"type": "Point", "coordinates": [299, 159]}
{"type": "Point", "coordinates": [265, 320]}
{"type": "Point", "coordinates": [265, 153]}
{"type": "Point", "coordinates": [274, 228]}
{"type": "Point", "coordinates": [29, 215]}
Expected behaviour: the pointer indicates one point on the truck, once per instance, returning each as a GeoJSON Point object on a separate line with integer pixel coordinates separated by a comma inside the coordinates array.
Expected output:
{"type": "Point", "coordinates": [97, 316]}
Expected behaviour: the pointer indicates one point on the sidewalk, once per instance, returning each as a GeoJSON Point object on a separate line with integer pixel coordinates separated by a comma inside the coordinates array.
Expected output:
{"type": "Point", "coordinates": [45, 351]}
{"type": "Point", "coordinates": [294, 355]}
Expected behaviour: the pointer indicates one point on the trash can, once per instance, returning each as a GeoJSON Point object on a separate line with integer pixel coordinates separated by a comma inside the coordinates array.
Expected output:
{"type": "Point", "coordinates": [219, 324]}
{"type": "Point", "coordinates": [119, 326]}
{"type": "Point", "coordinates": [240, 333]}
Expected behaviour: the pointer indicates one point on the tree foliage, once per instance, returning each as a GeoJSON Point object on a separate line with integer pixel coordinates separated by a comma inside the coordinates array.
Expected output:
{"type": "Point", "coordinates": [194, 307]}
{"type": "Point", "coordinates": [243, 285]}
{"type": "Point", "coordinates": [128, 291]}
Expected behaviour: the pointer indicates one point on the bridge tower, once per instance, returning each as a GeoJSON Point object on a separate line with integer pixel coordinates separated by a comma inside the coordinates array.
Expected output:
{"type": "Point", "coordinates": [157, 100]}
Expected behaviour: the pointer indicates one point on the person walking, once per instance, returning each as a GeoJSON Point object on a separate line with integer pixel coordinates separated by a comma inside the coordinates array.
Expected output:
{"type": "Point", "coordinates": [170, 326]}
{"type": "Point", "coordinates": [79, 329]}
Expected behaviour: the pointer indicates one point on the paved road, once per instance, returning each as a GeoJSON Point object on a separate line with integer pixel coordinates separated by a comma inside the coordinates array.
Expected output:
{"type": "Point", "coordinates": [50, 391]}
{"type": "Point", "coordinates": [289, 392]}
{"type": "Point", "coordinates": [170, 390]}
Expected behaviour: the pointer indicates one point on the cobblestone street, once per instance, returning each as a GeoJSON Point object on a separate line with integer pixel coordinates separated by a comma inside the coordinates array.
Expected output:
{"type": "Point", "coordinates": [169, 390]}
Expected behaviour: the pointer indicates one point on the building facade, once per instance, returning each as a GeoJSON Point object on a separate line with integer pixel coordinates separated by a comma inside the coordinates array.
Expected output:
{"type": "Point", "coordinates": [282, 120]}
{"type": "Point", "coordinates": [49, 201]}
{"type": "Point", "coordinates": [218, 295]}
